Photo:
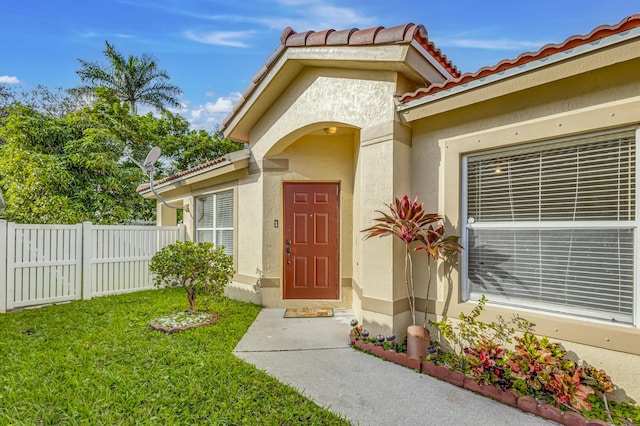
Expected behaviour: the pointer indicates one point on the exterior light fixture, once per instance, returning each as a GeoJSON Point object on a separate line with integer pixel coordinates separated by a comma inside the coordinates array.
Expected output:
{"type": "Point", "coordinates": [331, 130]}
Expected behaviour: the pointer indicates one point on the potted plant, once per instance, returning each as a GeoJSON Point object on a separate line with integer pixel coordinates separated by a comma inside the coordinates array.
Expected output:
{"type": "Point", "coordinates": [408, 221]}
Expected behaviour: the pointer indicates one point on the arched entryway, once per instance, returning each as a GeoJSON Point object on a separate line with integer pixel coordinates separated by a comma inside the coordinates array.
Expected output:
{"type": "Point", "coordinates": [311, 192]}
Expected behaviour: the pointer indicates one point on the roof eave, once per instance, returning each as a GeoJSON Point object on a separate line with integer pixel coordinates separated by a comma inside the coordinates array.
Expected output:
{"type": "Point", "coordinates": [230, 162]}
{"type": "Point", "coordinates": [562, 56]}
{"type": "Point", "coordinates": [434, 63]}
{"type": "Point", "coordinates": [292, 60]}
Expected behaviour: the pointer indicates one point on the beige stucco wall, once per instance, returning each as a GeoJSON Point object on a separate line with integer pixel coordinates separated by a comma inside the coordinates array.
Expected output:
{"type": "Point", "coordinates": [314, 158]}
{"type": "Point", "coordinates": [165, 216]}
{"type": "Point", "coordinates": [385, 155]}
{"type": "Point", "coordinates": [596, 100]}
{"type": "Point", "coordinates": [319, 97]}
{"type": "Point", "coordinates": [287, 144]}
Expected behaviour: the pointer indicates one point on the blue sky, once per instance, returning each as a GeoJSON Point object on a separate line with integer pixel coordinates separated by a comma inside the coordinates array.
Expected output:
{"type": "Point", "coordinates": [212, 48]}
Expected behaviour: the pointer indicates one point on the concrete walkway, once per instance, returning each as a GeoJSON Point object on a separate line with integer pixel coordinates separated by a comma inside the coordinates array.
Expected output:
{"type": "Point", "coordinates": [313, 356]}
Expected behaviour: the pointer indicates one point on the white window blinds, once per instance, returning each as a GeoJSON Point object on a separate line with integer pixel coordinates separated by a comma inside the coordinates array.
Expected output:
{"type": "Point", "coordinates": [214, 222]}
{"type": "Point", "coordinates": [593, 179]}
{"type": "Point", "coordinates": [552, 226]}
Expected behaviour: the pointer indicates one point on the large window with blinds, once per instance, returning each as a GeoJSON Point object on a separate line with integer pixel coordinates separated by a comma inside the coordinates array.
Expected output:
{"type": "Point", "coordinates": [214, 219]}
{"type": "Point", "coordinates": [552, 226]}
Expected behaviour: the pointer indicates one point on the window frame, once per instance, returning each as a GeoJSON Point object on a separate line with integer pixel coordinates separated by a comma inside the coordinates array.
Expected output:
{"type": "Point", "coordinates": [214, 229]}
{"type": "Point", "coordinates": [578, 313]}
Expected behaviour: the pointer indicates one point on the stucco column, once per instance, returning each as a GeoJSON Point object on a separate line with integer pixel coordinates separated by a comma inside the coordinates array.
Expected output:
{"type": "Point", "coordinates": [188, 217]}
{"type": "Point", "coordinates": [165, 216]}
{"type": "Point", "coordinates": [384, 173]}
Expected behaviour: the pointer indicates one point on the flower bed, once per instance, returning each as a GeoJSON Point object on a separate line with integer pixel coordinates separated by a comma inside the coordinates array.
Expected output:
{"type": "Point", "coordinates": [457, 378]}
{"type": "Point", "coordinates": [181, 321]}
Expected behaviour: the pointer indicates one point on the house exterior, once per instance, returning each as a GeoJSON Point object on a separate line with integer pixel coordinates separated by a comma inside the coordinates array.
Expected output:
{"type": "Point", "coordinates": [531, 161]}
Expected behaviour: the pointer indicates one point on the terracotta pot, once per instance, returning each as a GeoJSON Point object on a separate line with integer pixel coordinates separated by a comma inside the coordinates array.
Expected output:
{"type": "Point", "coordinates": [418, 339]}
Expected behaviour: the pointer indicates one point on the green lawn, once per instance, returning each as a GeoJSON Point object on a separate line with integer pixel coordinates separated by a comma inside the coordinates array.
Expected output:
{"type": "Point", "coordinates": [99, 362]}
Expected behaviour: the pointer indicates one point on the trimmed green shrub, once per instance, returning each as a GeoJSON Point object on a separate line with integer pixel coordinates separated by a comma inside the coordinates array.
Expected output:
{"type": "Point", "coordinates": [196, 267]}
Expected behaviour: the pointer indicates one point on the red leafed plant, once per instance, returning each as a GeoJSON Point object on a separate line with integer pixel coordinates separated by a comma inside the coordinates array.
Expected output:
{"type": "Point", "coordinates": [535, 366]}
{"type": "Point", "coordinates": [488, 363]}
{"type": "Point", "coordinates": [408, 221]}
{"type": "Point", "coordinates": [531, 356]}
{"type": "Point", "coordinates": [544, 368]}
{"type": "Point", "coordinates": [567, 388]}
{"type": "Point", "coordinates": [597, 379]}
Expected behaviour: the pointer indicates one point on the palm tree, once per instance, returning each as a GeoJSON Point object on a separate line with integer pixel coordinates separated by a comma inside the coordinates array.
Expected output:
{"type": "Point", "coordinates": [133, 80]}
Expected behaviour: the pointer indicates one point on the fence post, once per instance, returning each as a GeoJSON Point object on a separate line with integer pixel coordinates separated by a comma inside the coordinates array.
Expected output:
{"type": "Point", "coordinates": [182, 232]}
{"type": "Point", "coordinates": [11, 257]}
{"type": "Point", "coordinates": [86, 236]}
{"type": "Point", "coordinates": [3, 266]}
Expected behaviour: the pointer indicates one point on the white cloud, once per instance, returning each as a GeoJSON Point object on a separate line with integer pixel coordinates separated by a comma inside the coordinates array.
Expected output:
{"type": "Point", "coordinates": [303, 15]}
{"type": "Point", "coordinates": [500, 44]}
{"type": "Point", "coordinates": [339, 17]}
{"type": "Point", "coordinates": [294, 2]}
{"type": "Point", "coordinates": [319, 17]}
{"type": "Point", "coordinates": [94, 34]}
{"type": "Point", "coordinates": [210, 115]}
{"type": "Point", "coordinates": [9, 79]}
{"type": "Point", "coordinates": [224, 105]}
{"type": "Point", "coordinates": [221, 38]}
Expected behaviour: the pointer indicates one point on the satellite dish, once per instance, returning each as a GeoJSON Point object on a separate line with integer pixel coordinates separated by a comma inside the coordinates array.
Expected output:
{"type": "Point", "coordinates": [147, 166]}
{"type": "Point", "coordinates": [151, 159]}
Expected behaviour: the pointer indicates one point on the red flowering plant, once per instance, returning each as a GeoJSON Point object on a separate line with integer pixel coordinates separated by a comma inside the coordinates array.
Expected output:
{"type": "Point", "coordinates": [407, 221]}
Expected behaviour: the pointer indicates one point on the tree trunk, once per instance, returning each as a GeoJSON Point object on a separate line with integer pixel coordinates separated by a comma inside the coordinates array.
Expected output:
{"type": "Point", "coordinates": [192, 300]}
{"type": "Point", "coordinates": [191, 295]}
{"type": "Point", "coordinates": [426, 303]}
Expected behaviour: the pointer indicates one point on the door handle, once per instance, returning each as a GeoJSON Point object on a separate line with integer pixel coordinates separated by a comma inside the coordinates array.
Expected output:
{"type": "Point", "coordinates": [288, 255]}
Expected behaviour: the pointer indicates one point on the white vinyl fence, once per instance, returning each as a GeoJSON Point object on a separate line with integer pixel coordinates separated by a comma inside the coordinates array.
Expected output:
{"type": "Point", "coordinates": [41, 264]}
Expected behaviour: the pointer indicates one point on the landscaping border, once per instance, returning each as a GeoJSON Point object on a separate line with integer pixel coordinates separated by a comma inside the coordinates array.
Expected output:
{"type": "Point", "coordinates": [525, 403]}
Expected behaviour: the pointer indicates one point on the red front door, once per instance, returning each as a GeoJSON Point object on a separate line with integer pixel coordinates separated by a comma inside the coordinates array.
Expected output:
{"type": "Point", "coordinates": [311, 240]}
